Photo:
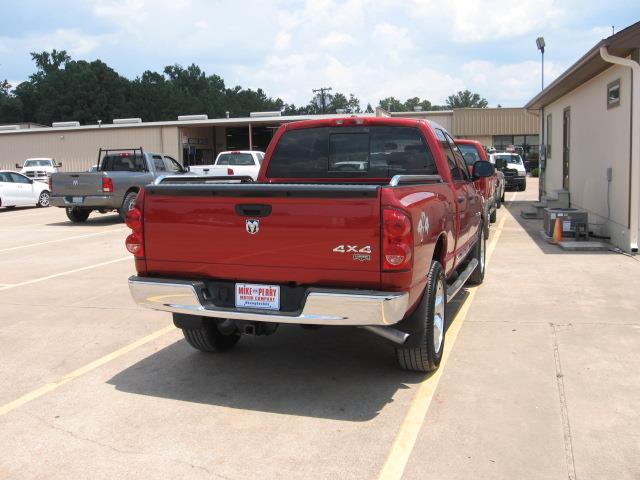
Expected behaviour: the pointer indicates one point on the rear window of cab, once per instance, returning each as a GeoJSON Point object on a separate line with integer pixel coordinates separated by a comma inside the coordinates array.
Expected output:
{"type": "Point", "coordinates": [351, 152]}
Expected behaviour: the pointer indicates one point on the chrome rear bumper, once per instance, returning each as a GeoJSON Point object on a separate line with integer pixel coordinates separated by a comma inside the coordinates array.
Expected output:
{"type": "Point", "coordinates": [321, 307]}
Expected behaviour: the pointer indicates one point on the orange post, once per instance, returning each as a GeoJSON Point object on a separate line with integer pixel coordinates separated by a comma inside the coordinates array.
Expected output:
{"type": "Point", "coordinates": [557, 231]}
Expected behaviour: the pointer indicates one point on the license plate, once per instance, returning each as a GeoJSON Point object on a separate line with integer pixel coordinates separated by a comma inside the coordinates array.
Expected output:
{"type": "Point", "coordinates": [266, 297]}
{"type": "Point", "coordinates": [77, 200]}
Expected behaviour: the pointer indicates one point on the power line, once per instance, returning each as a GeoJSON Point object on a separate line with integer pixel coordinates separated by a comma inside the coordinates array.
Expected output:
{"type": "Point", "coordinates": [322, 91]}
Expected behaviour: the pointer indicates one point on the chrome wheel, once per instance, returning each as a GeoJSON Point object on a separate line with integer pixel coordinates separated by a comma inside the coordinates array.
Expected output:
{"type": "Point", "coordinates": [438, 316]}
{"type": "Point", "coordinates": [43, 200]}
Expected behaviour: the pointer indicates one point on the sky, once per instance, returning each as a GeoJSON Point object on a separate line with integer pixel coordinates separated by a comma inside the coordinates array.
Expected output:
{"type": "Point", "coordinates": [371, 48]}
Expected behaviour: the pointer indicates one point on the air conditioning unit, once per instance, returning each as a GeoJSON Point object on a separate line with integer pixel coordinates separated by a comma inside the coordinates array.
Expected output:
{"type": "Point", "coordinates": [276, 113]}
{"type": "Point", "coordinates": [185, 118]}
{"type": "Point", "coordinates": [121, 121]}
{"type": "Point", "coordinates": [569, 218]}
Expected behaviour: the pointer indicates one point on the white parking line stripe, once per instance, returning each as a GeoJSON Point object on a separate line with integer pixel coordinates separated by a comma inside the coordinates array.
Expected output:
{"type": "Point", "coordinates": [61, 240]}
{"type": "Point", "coordinates": [46, 388]}
{"type": "Point", "coordinates": [405, 440]}
{"type": "Point", "coordinates": [68, 272]}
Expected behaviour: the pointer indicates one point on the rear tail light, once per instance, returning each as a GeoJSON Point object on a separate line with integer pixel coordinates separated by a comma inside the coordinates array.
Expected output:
{"type": "Point", "coordinates": [50, 184]}
{"type": "Point", "coordinates": [229, 171]}
{"type": "Point", "coordinates": [135, 241]}
{"type": "Point", "coordinates": [397, 240]}
{"type": "Point", "coordinates": [107, 185]}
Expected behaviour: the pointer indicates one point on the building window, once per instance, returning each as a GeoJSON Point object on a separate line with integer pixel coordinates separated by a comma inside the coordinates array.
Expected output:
{"type": "Point", "coordinates": [548, 136]}
{"type": "Point", "coordinates": [613, 94]}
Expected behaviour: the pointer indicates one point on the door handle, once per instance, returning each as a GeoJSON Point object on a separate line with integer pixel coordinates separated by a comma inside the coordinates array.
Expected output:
{"type": "Point", "coordinates": [246, 210]}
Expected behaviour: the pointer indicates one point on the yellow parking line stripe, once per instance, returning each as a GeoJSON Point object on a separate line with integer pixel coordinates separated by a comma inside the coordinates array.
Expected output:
{"type": "Point", "coordinates": [68, 272]}
{"type": "Point", "coordinates": [405, 440]}
{"type": "Point", "coordinates": [61, 240]}
{"type": "Point", "coordinates": [39, 392]}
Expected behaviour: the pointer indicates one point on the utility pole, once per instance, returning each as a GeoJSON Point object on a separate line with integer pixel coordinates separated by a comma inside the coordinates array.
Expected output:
{"type": "Point", "coordinates": [322, 91]}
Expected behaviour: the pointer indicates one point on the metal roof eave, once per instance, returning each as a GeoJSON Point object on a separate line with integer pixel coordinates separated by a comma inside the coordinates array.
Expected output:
{"type": "Point", "coordinates": [229, 122]}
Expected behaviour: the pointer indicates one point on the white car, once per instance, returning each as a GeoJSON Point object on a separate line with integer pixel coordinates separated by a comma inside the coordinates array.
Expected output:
{"type": "Point", "coordinates": [39, 168]}
{"type": "Point", "coordinates": [233, 162]}
{"type": "Point", "coordinates": [512, 161]}
{"type": "Point", "coordinates": [17, 190]}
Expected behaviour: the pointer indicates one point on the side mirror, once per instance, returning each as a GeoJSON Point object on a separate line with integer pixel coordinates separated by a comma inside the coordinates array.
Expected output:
{"type": "Point", "coordinates": [483, 169]}
{"type": "Point", "coordinates": [59, 165]}
{"type": "Point", "coordinates": [18, 165]}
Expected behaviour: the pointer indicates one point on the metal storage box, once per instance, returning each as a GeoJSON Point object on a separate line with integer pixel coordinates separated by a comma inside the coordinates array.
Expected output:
{"type": "Point", "coordinates": [568, 216]}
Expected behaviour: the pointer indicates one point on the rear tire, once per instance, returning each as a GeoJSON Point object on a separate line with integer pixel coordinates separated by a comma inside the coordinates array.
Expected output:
{"type": "Point", "coordinates": [494, 216]}
{"type": "Point", "coordinates": [479, 253]}
{"type": "Point", "coordinates": [431, 313]}
{"type": "Point", "coordinates": [127, 204]}
{"type": "Point", "coordinates": [209, 338]}
{"type": "Point", "coordinates": [77, 214]}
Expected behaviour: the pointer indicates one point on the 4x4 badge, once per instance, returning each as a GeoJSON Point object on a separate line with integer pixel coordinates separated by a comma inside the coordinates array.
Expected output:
{"type": "Point", "coordinates": [253, 226]}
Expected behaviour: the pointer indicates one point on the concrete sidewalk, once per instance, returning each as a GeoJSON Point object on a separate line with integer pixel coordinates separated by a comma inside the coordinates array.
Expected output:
{"type": "Point", "coordinates": [544, 381]}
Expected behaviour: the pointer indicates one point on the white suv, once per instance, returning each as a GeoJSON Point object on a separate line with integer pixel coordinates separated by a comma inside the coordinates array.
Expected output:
{"type": "Point", "coordinates": [515, 175]}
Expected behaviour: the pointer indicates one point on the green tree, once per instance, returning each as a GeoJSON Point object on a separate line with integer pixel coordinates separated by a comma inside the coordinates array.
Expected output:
{"type": "Point", "coordinates": [10, 106]}
{"type": "Point", "coordinates": [369, 108]}
{"type": "Point", "coordinates": [353, 105]}
{"type": "Point", "coordinates": [466, 99]}
{"type": "Point", "coordinates": [392, 104]}
{"type": "Point", "coordinates": [411, 103]}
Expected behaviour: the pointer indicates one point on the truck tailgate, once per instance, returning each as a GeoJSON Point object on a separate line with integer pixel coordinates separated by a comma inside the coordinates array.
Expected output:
{"type": "Point", "coordinates": [264, 233]}
{"type": "Point", "coordinates": [77, 183]}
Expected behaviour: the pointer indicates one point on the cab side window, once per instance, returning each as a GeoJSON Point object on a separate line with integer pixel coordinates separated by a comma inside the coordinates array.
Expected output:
{"type": "Point", "coordinates": [159, 164]}
{"type": "Point", "coordinates": [462, 166]}
{"type": "Point", "coordinates": [456, 174]}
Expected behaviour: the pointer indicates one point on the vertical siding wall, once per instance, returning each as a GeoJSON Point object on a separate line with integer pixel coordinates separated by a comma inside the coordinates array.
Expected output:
{"type": "Point", "coordinates": [78, 149]}
{"type": "Point", "coordinates": [599, 138]}
{"type": "Point", "coordinates": [475, 122]}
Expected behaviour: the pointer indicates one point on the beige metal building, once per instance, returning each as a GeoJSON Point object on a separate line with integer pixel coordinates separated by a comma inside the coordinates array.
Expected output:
{"type": "Point", "coordinates": [591, 117]}
{"type": "Point", "coordinates": [198, 141]}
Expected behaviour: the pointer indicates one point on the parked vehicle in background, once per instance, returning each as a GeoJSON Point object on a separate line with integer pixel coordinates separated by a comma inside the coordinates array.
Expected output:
{"type": "Point", "coordinates": [367, 222]}
{"type": "Point", "coordinates": [17, 190]}
{"type": "Point", "coordinates": [512, 166]}
{"type": "Point", "coordinates": [491, 188]}
{"type": "Point", "coordinates": [113, 185]}
{"type": "Point", "coordinates": [235, 162]}
{"type": "Point", "coordinates": [39, 168]}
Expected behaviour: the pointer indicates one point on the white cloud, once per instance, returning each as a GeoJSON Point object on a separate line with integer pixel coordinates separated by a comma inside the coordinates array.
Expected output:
{"type": "Point", "coordinates": [336, 39]}
{"type": "Point", "coordinates": [474, 21]}
{"type": "Point", "coordinates": [74, 41]}
{"type": "Point", "coordinates": [507, 84]}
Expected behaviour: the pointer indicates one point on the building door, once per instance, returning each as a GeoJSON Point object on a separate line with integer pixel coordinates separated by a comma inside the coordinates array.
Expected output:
{"type": "Point", "coordinates": [566, 135]}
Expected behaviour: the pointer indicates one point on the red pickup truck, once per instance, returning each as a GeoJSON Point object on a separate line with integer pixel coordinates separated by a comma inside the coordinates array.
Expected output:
{"type": "Point", "coordinates": [491, 188]}
{"type": "Point", "coordinates": [367, 222]}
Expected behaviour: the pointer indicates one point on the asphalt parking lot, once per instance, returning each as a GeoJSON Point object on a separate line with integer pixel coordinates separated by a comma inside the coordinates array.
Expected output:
{"type": "Point", "coordinates": [540, 378]}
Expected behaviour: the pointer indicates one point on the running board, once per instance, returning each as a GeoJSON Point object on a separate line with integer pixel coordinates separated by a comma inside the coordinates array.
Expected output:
{"type": "Point", "coordinates": [454, 288]}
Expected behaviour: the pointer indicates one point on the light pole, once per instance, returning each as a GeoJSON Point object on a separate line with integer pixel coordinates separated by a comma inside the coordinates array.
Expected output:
{"type": "Point", "coordinates": [540, 44]}
{"type": "Point", "coordinates": [542, 162]}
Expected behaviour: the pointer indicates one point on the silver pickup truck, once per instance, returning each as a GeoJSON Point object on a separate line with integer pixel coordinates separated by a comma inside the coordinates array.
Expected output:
{"type": "Point", "coordinates": [112, 185]}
